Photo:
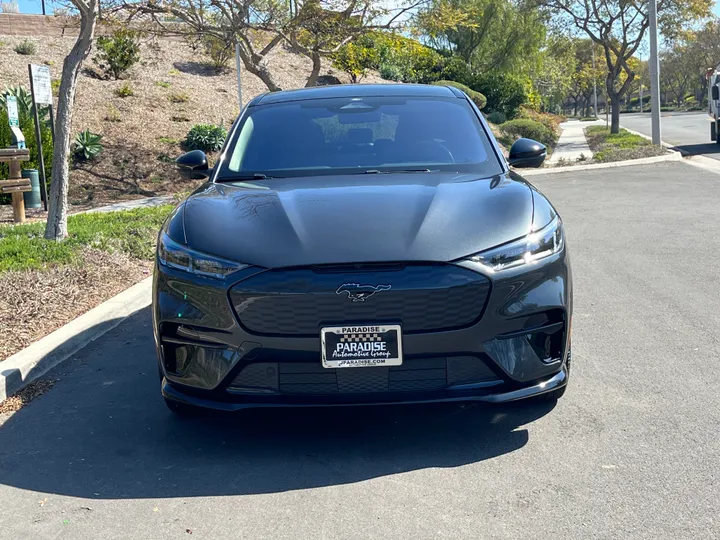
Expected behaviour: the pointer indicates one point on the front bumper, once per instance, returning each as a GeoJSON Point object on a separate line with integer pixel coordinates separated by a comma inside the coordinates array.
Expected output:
{"type": "Point", "coordinates": [553, 383]}
{"type": "Point", "coordinates": [516, 349]}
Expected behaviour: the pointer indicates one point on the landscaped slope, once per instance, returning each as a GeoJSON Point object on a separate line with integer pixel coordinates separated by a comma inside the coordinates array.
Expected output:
{"type": "Point", "coordinates": [172, 89]}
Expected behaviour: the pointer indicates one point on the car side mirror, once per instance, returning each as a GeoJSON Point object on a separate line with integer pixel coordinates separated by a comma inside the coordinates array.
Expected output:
{"type": "Point", "coordinates": [193, 165]}
{"type": "Point", "coordinates": [527, 153]}
{"type": "Point", "coordinates": [715, 92]}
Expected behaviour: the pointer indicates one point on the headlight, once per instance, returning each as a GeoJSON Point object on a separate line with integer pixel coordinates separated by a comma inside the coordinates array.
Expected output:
{"type": "Point", "coordinates": [535, 246]}
{"type": "Point", "coordinates": [175, 255]}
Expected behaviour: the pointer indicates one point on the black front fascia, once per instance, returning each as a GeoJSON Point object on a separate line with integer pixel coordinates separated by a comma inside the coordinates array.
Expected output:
{"type": "Point", "coordinates": [198, 313]}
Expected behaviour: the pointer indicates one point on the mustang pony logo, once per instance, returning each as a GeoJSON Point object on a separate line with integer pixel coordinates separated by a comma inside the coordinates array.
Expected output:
{"type": "Point", "coordinates": [360, 293]}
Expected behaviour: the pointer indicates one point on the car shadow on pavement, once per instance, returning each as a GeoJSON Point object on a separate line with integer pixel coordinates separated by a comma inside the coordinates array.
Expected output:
{"type": "Point", "coordinates": [698, 149]}
{"type": "Point", "coordinates": [104, 432]}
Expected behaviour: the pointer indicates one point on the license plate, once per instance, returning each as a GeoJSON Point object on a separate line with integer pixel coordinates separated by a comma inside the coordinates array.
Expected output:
{"type": "Point", "coordinates": [361, 346]}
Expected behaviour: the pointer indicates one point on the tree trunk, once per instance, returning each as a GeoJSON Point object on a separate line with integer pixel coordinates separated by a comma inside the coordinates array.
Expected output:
{"type": "Point", "coordinates": [263, 74]}
{"type": "Point", "coordinates": [317, 64]}
{"type": "Point", "coordinates": [615, 113]}
{"type": "Point", "coordinates": [576, 107]}
{"type": "Point", "coordinates": [56, 228]}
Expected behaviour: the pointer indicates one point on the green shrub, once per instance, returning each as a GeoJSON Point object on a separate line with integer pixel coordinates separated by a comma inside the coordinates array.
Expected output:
{"type": "Point", "coordinates": [454, 68]}
{"type": "Point", "coordinates": [476, 97]}
{"type": "Point", "coordinates": [496, 117]}
{"type": "Point", "coordinates": [523, 127]}
{"type": "Point", "coordinates": [118, 53]}
{"type": "Point", "coordinates": [126, 90]}
{"type": "Point", "coordinates": [205, 137]}
{"type": "Point", "coordinates": [403, 59]}
{"type": "Point", "coordinates": [219, 51]}
{"type": "Point", "coordinates": [87, 145]}
{"type": "Point", "coordinates": [356, 59]}
{"type": "Point", "coordinates": [179, 97]}
{"type": "Point", "coordinates": [504, 92]}
{"type": "Point", "coordinates": [113, 114]}
{"type": "Point", "coordinates": [549, 120]}
{"type": "Point", "coordinates": [55, 86]}
{"type": "Point", "coordinates": [26, 47]}
{"type": "Point", "coordinates": [399, 58]}
{"type": "Point", "coordinates": [163, 84]}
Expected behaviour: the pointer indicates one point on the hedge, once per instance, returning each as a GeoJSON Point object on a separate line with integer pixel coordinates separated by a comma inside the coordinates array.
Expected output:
{"type": "Point", "coordinates": [477, 97]}
{"type": "Point", "coordinates": [530, 129]}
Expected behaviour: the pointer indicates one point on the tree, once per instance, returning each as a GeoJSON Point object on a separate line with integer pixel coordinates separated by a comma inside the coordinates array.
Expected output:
{"type": "Point", "coordinates": [489, 35]}
{"type": "Point", "coordinates": [618, 27]}
{"type": "Point", "coordinates": [585, 76]}
{"type": "Point", "coordinates": [677, 75]}
{"type": "Point", "coordinates": [701, 51]}
{"type": "Point", "coordinates": [314, 28]}
{"type": "Point", "coordinates": [56, 228]}
{"type": "Point", "coordinates": [552, 73]}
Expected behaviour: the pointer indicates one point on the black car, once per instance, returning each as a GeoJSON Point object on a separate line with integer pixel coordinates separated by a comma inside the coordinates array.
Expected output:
{"type": "Point", "coordinates": [362, 244]}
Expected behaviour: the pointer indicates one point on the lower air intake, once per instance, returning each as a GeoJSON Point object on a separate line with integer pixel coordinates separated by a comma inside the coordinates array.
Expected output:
{"type": "Point", "coordinates": [305, 378]}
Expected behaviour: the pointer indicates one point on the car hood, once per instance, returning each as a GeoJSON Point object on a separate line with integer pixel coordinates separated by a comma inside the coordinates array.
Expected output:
{"type": "Point", "coordinates": [357, 218]}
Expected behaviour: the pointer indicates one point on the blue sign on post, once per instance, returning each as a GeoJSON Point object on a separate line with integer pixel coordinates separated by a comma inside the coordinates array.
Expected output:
{"type": "Point", "coordinates": [12, 110]}
{"type": "Point", "coordinates": [18, 139]}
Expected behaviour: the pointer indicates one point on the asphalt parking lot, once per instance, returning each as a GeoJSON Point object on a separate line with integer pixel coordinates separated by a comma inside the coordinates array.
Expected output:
{"type": "Point", "coordinates": [632, 451]}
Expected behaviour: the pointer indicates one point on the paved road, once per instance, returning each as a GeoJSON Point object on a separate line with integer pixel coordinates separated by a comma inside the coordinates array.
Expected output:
{"type": "Point", "coordinates": [632, 451]}
{"type": "Point", "coordinates": [689, 132]}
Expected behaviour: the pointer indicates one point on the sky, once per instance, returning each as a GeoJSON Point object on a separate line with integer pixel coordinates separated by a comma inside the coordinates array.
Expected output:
{"type": "Point", "coordinates": [35, 6]}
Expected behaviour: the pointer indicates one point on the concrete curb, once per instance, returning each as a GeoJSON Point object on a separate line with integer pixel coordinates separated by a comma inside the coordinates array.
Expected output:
{"type": "Point", "coordinates": [43, 355]}
{"type": "Point", "coordinates": [704, 162]}
{"type": "Point", "coordinates": [672, 156]}
{"type": "Point", "coordinates": [132, 204]}
{"type": "Point", "coordinates": [666, 145]}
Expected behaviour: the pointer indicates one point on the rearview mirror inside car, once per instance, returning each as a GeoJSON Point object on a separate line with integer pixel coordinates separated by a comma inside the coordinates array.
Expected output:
{"type": "Point", "coordinates": [193, 165]}
{"type": "Point", "coordinates": [527, 153]}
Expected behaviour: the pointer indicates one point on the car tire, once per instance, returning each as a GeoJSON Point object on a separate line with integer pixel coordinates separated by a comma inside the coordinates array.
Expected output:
{"type": "Point", "coordinates": [551, 397]}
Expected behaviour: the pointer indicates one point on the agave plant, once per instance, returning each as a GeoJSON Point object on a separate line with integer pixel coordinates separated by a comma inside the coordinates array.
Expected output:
{"type": "Point", "coordinates": [24, 99]}
{"type": "Point", "coordinates": [87, 145]}
{"type": "Point", "coordinates": [24, 103]}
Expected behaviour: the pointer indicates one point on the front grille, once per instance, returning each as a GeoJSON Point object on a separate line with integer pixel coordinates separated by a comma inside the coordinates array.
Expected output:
{"type": "Point", "coordinates": [421, 297]}
{"type": "Point", "coordinates": [311, 378]}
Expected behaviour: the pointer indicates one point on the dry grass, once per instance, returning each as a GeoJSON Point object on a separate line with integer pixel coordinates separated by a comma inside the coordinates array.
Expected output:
{"type": "Point", "coordinates": [34, 303]}
{"type": "Point", "coordinates": [26, 395]}
{"type": "Point", "coordinates": [137, 161]}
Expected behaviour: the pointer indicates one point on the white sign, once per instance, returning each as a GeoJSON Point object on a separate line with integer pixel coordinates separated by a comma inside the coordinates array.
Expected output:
{"type": "Point", "coordinates": [12, 110]}
{"type": "Point", "coordinates": [41, 84]}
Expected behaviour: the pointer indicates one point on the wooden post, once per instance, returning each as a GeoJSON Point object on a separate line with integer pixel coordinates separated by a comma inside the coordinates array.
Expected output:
{"type": "Point", "coordinates": [15, 184]}
{"type": "Point", "coordinates": [18, 203]}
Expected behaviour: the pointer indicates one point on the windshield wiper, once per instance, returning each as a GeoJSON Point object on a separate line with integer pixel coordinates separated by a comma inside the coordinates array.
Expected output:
{"type": "Point", "coordinates": [378, 171]}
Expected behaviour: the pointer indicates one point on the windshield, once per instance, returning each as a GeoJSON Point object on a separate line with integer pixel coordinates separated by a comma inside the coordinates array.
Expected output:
{"type": "Point", "coordinates": [358, 135]}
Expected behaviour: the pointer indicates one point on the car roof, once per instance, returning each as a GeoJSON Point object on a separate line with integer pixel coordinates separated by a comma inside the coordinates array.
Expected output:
{"type": "Point", "coordinates": [357, 90]}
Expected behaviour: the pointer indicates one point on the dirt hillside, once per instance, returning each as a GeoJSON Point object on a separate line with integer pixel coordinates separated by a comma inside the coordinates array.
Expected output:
{"type": "Point", "coordinates": [172, 88]}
